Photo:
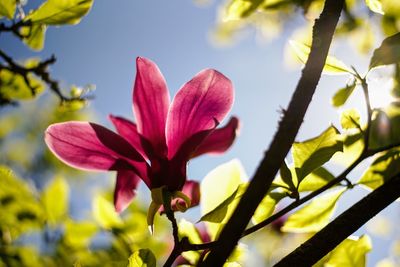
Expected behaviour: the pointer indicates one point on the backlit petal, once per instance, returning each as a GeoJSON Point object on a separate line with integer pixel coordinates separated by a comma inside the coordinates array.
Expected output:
{"type": "Point", "coordinates": [90, 146]}
{"type": "Point", "coordinates": [198, 105]}
{"type": "Point", "coordinates": [150, 103]}
{"type": "Point", "coordinates": [127, 181]}
{"type": "Point", "coordinates": [219, 140]}
{"type": "Point", "coordinates": [128, 130]}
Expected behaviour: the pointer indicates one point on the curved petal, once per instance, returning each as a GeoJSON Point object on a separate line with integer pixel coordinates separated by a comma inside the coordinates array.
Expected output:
{"type": "Point", "coordinates": [198, 105]}
{"type": "Point", "coordinates": [125, 187]}
{"type": "Point", "coordinates": [219, 140]}
{"type": "Point", "coordinates": [192, 190]}
{"type": "Point", "coordinates": [90, 146]}
{"type": "Point", "coordinates": [128, 130]}
{"type": "Point", "coordinates": [150, 103]}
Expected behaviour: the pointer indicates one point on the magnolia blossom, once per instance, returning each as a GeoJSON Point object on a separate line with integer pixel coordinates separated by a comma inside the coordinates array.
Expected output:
{"type": "Point", "coordinates": [165, 137]}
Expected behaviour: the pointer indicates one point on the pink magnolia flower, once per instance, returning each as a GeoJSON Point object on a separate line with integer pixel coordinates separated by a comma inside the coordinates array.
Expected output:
{"type": "Point", "coordinates": [165, 137]}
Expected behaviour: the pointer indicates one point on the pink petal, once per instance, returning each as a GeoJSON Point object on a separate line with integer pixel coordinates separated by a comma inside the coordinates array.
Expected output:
{"type": "Point", "coordinates": [127, 181]}
{"type": "Point", "coordinates": [150, 103]}
{"type": "Point", "coordinates": [219, 140]}
{"type": "Point", "coordinates": [128, 130]}
{"type": "Point", "coordinates": [90, 146]}
{"type": "Point", "coordinates": [192, 190]}
{"type": "Point", "coordinates": [198, 105]}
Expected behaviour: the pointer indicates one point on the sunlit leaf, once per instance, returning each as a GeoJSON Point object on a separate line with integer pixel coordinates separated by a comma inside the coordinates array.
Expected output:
{"type": "Point", "coordinates": [79, 234]}
{"type": "Point", "coordinates": [375, 5]}
{"type": "Point", "coordinates": [350, 253]}
{"type": "Point", "coordinates": [238, 9]}
{"type": "Point", "coordinates": [314, 216]}
{"type": "Point", "coordinates": [267, 206]}
{"type": "Point", "coordinates": [332, 64]}
{"type": "Point", "coordinates": [219, 185]}
{"type": "Point", "coordinates": [7, 8]}
{"type": "Point", "coordinates": [220, 212]}
{"type": "Point", "coordinates": [105, 214]}
{"type": "Point", "coordinates": [387, 53]}
{"type": "Point", "coordinates": [353, 145]}
{"type": "Point", "coordinates": [383, 168]}
{"type": "Point", "coordinates": [350, 119]}
{"type": "Point", "coordinates": [313, 153]}
{"type": "Point", "coordinates": [59, 12]}
{"type": "Point", "coordinates": [341, 96]}
{"type": "Point", "coordinates": [386, 263]}
{"type": "Point", "coordinates": [286, 176]}
{"type": "Point", "coordinates": [14, 86]}
{"type": "Point", "coordinates": [142, 258]}
{"type": "Point", "coordinates": [55, 198]}
{"type": "Point", "coordinates": [315, 180]}
{"type": "Point", "coordinates": [34, 35]}
{"type": "Point", "coordinates": [187, 229]}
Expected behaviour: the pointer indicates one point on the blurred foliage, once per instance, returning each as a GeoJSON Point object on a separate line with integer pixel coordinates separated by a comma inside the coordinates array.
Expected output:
{"type": "Point", "coordinates": [27, 80]}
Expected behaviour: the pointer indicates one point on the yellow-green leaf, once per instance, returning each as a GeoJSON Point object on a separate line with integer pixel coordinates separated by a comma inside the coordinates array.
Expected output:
{"type": "Point", "coordinates": [238, 9]}
{"type": "Point", "coordinates": [60, 12]}
{"type": "Point", "coordinates": [387, 53]}
{"type": "Point", "coordinates": [341, 96]}
{"type": "Point", "coordinates": [104, 213]}
{"type": "Point", "coordinates": [313, 153]}
{"type": "Point", "coordinates": [332, 64]}
{"type": "Point", "coordinates": [7, 8]}
{"type": "Point", "coordinates": [351, 252]}
{"type": "Point", "coordinates": [187, 229]}
{"type": "Point", "coordinates": [79, 234]}
{"type": "Point", "coordinates": [315, 180]}
{"type": "Point", "coordinates": [314, 216]}
{"type": "Point", "coordinates": [286, 176]}
{"type": "Point", "coordinates": [55, 199]}
{"type": "Point", "coordinates": [384, 167]}
{"type": "Point", "coordinates": [217, 186]}
{"type": "Point", "coordinates": [34, 35]}
{"type": "Point", "coordinates": [350, 119]}
{"type": "Point", "coordinates": [14, 86]}
{"type": "Point", "coordinates": [375, 5]}
{"type": "Point", "coordinates": [142, 258]}
{"type": "Point", "coordinates": [267, 206]}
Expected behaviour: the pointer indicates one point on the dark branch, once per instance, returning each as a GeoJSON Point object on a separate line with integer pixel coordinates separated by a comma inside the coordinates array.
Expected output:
{"type": "Point", "coordinates": [288, 128]}
{"type": "Point", "coordinates": [41, 71]}
{"type": "Point", "coordinates": [343, 226]}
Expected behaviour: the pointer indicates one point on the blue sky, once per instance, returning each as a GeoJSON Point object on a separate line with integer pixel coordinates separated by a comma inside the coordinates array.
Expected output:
{"type": "Point", "coordinates": [101, 50]}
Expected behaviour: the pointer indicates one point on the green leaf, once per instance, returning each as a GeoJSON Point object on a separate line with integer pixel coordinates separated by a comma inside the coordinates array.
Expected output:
{"type": "Point", "coordinates": [187, 229]}
{"type": "Point", "coordinates": [350, 253]}
{"type": "Point", "coordinates": [332, 64]}
{"type": "Point", "coordinates": [79, 234]}
{"type": "Point", "coordinates": [314, 216]}
{"type": "Point", "coordinates": [7, 8]}
{"type": "Point", "coordinates": [60, 12]}
{"type": "Point", "coordinates": [286, 176]}
{"type": "Point", "coordinates": [239, 9]}
{"type": "Point", "coordinates": [387, 53]}
{"type": "Point", "coordinates": [384, 167]}
{"type": "Point", "coordinates": [375, 5]}
{"type": "Point", "coordinates": [315, 180]}
{"type": "Point", "coordinates": [14, 86]}
{"type": "Point", "coordinates": [142, 258]}
{"type": "Point", "coordinates": [55, 198]}
{"type": "Point", "coordinates": [104, 213]}
{"type": "Point", "coordinates": [267, 206]}
{"type": "Point", "coordinates": [220, 184]}
{"type": "Point", "coordinates": [220, 212]}
{"type": "Point", "coordinates": [350, 119]}
{"type": "Point", "coordinates": [341, 96]}
{"type": "Point", "coordinates": [34, 36]}
{"type": "Point", "coordinates": [312, 154]}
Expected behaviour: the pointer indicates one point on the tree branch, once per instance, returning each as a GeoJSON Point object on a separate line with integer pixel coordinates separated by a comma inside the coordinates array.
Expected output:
{"type": "Point", "coordinates": [288, 128]}
{"type": "Point", "coordinates": [347, 223]}
{"type": "Point", "coordinates": [41, 71]}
